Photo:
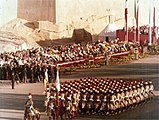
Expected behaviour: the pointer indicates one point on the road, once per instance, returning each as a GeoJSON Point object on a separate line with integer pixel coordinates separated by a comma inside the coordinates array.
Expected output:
{"type": "Point", "coordinates": [12, 100]}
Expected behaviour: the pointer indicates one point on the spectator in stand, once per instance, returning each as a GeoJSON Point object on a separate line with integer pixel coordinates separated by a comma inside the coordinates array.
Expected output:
{"type": "Point", "coordinates": [36, 58]}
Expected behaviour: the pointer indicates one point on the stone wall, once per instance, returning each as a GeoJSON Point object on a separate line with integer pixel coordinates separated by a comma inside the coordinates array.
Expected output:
{"type": "Point", "coordinates": [37, 10]}
{"type": "Point", "coordinates": [67, 15]}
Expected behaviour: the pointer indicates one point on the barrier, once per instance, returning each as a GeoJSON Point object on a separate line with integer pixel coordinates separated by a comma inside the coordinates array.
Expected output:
{"type": "Point", "coordinates": [91, 59]}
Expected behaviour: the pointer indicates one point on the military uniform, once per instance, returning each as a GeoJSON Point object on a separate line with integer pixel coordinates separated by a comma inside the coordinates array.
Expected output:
{"type": "Point", "coordinates": [51, 108]}
{"type": "Point", "coordinates": [29, 108]}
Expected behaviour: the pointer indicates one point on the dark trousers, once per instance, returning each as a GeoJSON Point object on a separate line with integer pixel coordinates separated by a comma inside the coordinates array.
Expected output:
{"type": "Point", "coordinates": [13, 83]}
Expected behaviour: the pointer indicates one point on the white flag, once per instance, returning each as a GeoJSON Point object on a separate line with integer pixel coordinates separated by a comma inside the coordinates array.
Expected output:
{"type": "Point", "coordinates": [46, 79]}
{"type": "Point", "coordinates": [57, 80]}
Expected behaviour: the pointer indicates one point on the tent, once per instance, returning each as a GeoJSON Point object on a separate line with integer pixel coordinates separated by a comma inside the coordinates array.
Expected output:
{"type": "Point", "coordinates": [109, 31]}
{"type": "Point", "coordinates": [11, 43]}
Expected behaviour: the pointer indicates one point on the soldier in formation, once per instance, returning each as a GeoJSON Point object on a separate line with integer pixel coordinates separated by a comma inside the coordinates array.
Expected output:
{"type": "Point", "coordinates": [101, 96]}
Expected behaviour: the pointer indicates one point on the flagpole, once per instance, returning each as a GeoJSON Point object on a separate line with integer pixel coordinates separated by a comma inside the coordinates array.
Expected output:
{"type": "Point", "coordinates": [135, 21]}
{"type": "Point", "coordinates": [126, 20]}
{"type": "Point", "coordinates": [150, 31]}
{"type": "Point", "coordinates": [154, 23]}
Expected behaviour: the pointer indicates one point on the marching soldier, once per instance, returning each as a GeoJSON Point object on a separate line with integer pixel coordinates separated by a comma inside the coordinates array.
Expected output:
{"type": "Point", "coordinates": [51, 108]}
{"type": "Point", "coordinates": [74, 103]}
{"type": "Point", "coordinates": [104, 106]}
{"type": "Point", "coordinates": [29, 108]}
{"type": "Point", "coordinates": [111, 105]}
{"type": "Point", "coordinates": [62, 106]}
{"type": "Point", "coordinates": [47, 97]}
{"type": "Point", "coordinates": [97, 102]}
{"type": "Point", "coordinates": [90, 103]}
{"type": "Point", "coordinates": [69, 107]}
{"type": "Point", "coordinates": [151, 89]}
{"type": "Point", "coordinates": [83, 102]}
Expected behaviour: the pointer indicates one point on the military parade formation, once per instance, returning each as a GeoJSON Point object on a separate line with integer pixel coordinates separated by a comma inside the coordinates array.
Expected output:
{"type": "Point", "coordinates": [101, 96]}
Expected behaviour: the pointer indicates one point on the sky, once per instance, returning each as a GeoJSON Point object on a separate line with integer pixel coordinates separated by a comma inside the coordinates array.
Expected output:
{"type": "Point", "coordinates": [8, 11]}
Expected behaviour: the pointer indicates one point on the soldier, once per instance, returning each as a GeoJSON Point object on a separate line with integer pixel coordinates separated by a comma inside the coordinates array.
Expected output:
{"type": "Point", "coordinates": [24, 72]}
{"type": "Point", "coordinates": [97, 102]}
{"type": "Point", "coordinates": [117, 101]}
{"type": "Point", "coordinates": [74, 103]}
{"type": "Point", "coordinates": [51, 107]}
{"type": "Point", "coordinates": [138, 96]}
{"type": "Point", "coordinates": [104, 105]}
{"type": "Point", "coordinates": [62, 107]}
{"type": "Point", "coordinates": [123, 103]}
{"type": "Point", "coordinates": [62, 103]}
{"type": "Point", "coordinates": [0, 72]}
{"type": "Point", "coordinates": [151, 89]}
{"type": "Point", "coordinates": [13, 73]}
{"type": "Point", "coordinates": [111, 106]}
{"type": "Point", "coordinates": [146, 89]}
{"type": "Point", "coordinates": [90, 102]}
{"type": "Point", "coordinates": [29, 108]}
{"type": "Point", "coordinates": [47, 96]}
{"type": "Point", "coordinates": [69, 107]}
{"type": "Point", "coordinates": [126, 98]}
{"type": "Point", "coordinates": [142, 97]}
{"type": "Point", "coordinates": [83, 102]}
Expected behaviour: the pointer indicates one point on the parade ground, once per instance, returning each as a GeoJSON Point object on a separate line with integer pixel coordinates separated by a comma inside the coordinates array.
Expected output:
{"type": "Point", "coordinates": [12, 100]}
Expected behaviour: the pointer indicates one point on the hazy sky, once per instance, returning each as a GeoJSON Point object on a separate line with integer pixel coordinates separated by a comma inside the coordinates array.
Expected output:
{"type": "Point", "coordinates": [8, 10]}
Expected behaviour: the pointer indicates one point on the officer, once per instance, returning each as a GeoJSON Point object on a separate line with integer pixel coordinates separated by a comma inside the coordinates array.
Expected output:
{"type": "Point", "coordinates": [0, 72]}
{"type": "Point", "coordinates": [29, 106]}
{"type": "Point", "coordinates": [13, 75]}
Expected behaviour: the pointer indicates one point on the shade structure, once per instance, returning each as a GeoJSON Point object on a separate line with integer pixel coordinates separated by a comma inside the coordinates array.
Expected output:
{"type": "Point", "coordinates": [109, 31]}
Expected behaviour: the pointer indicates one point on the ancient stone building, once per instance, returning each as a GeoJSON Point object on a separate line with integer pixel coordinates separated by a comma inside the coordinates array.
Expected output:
{"type": "Point", "coordinates": [66, 15]}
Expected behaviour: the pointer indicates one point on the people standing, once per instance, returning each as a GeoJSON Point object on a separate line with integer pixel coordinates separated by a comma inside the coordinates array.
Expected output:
{"type": "Point", "coordinates": [0, 72]}
{"type": "Point", "coordinates": [13, 76]}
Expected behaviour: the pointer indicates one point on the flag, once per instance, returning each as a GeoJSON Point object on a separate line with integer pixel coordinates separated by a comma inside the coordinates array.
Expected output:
{"type": "Point", "coordinates": [126, 13]}
{"type": "Point", "coordinates": [126, 10]}
{"type": "Point", "coordinates": [126, 20]}
{"type": "Point", "coordinates": [57, 80]}
{"type": "Point", "coordinates": [46, 79]}
{"type": "Point", "coordinates": [137, 19]}
{"type": "Point", "coordinates": [135, 9]}
{"type": "Point", "coordinates": [136, 16]}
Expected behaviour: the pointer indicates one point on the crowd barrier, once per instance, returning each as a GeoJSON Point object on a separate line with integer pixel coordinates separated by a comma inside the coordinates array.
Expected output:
{"type": "Point", "coordinates": [91, 59]}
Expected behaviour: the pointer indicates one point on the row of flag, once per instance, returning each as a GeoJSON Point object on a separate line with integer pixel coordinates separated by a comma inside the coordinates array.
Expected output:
{"type": "Point", "coordinates": [136, 17]}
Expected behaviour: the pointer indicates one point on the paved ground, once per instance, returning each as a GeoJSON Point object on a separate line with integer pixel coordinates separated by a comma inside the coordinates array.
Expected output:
{"type": "Point", "coordinates": [12, 101]}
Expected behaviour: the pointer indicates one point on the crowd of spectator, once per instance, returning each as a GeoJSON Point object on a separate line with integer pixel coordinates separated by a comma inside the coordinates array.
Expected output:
{"type": "Point", "coordinates": [142, 29]}
{"type": "Point", "coordinates": [32, 63]}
